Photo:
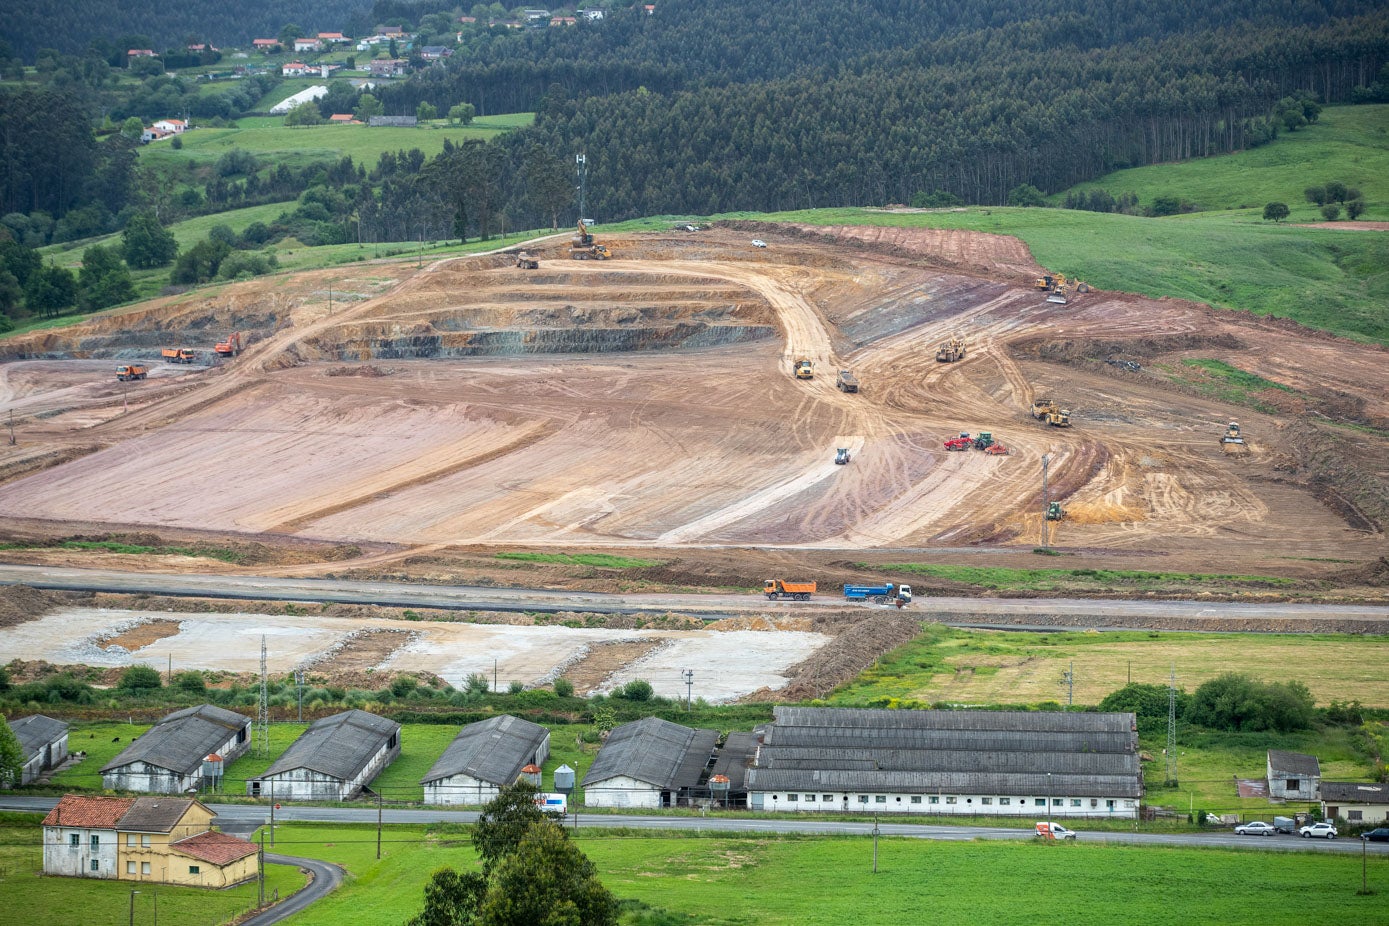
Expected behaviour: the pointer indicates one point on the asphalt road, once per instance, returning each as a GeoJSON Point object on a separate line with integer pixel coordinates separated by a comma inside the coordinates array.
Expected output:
{"type": "Point", "coordinates": [327, 877]}
{"type": "Point", "coordinates": [976, 612]}
{"type": "Point", "coordinates": [242, 816]}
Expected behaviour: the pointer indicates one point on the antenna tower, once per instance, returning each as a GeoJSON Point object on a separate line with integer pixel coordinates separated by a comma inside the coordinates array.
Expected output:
{"type": "Point", "coordinates": [263, 718]}
{"type": "Point", "coordinates": [1172, 728]}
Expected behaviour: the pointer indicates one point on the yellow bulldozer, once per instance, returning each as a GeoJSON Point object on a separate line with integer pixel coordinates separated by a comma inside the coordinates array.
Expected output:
{"type": "Point", "coordinates": [1233, 441]}
{"type": "Point", "coordinates": [1048, 412]}
{"type": "Point", "coordinates": [1050, 281]}
{"type": "Point", "coordinates": [951, 350]}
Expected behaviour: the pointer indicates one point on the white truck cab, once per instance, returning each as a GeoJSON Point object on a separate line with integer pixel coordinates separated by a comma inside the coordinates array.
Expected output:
{"type": "Point", "coordinates": [1051, 830]}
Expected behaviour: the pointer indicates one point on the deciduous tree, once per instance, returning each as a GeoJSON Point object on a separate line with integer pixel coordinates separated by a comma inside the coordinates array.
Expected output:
{"type": "Point", "coordinates": [1275, 212]}
{"type": "Point", "coordinates": [11, 756]}
{"type": "Point", "coordinates": [146, 243]}
{"type": "Point", "coordinates": [547, 881]}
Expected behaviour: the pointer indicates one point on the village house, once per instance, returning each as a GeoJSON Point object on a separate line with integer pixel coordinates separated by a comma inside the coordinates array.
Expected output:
{"type": "Point", "coordinates": [43, 742]}
{"type": "Point", "coordinates": [265, 45]}
{"type": "Point", "coordinates": [344, 119]}
{"type": "Point", "coordinates": [1293, 776]}
{"type": "Point", "coordinates": [563, 21]}
{"type": "Point", "coordinates": [153, 134]}
{"type": "Point", "coordinates": [296, 69]}
{"type": "Point", "coordinates": [305, 45]}
{"type": "Point", "coordinates": [435, 52]}
{"type": "Point", "coordinates": [388, 67]}
{"type": "Point", "coordinates": [1355, 802]}
{"type": "Point", "coordinates": [161, 840]}
{"type": "Point", "coordinates": [172, 126]}
{"type": "Point", "coordinates": [334, 38]}
{"type": "Point", "coordinates": [168, 758]}
{"type": "Point", "coordinates": [333, 760]}
{"type": "Point", "coordinates": [140, 53]}
{"type": "Point", "coordinates": [484, 758]}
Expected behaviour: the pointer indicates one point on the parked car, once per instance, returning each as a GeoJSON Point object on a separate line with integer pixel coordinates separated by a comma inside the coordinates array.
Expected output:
{"type": "Point", "coordinates": [1256, 828]}
{"type": "Point", "coordinates": [758, 243]}
{"type": "Point", "coordinates": [1320, 830]}
{"type": "Point", "coordinates": [1378, 835]}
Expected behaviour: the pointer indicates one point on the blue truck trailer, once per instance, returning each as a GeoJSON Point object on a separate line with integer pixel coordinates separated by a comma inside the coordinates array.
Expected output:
{"type": "Point", "coordinates": [882, 594]}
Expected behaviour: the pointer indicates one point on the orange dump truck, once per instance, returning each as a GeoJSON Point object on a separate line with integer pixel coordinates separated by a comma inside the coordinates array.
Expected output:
{"type": "Point", "coordinates": [177, 355]}
{"type": "Point", "coordinates": [797, 591]}
{"type": "Point", "coordinates": [128, 371]}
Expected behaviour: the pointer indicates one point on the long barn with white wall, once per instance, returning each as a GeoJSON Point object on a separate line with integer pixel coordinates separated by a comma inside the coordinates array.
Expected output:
{"type": "Point", "coordinates": [483, 758]}
{"type": "Point", "coordinates": [967, 763]}
{"type": "Point", "coordinates": [168, 758]}
{"type": "Point", "coordinates": [333, 760]}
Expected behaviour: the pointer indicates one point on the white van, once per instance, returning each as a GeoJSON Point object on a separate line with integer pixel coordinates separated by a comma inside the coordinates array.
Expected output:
{"type": "Point", "coordinates": [1048, 830]}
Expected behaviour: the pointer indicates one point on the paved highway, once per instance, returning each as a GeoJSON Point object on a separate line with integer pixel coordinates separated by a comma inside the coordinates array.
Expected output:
{"type": "Point", "coordinates": [242, 817]}
{"type": "Point", "coordinates": [963, 611]}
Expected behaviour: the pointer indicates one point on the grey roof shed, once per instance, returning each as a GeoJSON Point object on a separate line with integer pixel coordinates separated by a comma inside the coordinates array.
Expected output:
{"type": "Point", "coordinates": [37, 731]}
{"type": "Point", "coordinates": [1293, 764]}
{"type": "Point", "coordinates": [493, 750]}
{"type": "Point", "coordinates": [339, 746]}
{"type": "Point", "coordinates": [660, 753]}
{"type": "Point", "coordinates": [1354, 792]}
{"type": "Point", "coordinates": [180, 741]}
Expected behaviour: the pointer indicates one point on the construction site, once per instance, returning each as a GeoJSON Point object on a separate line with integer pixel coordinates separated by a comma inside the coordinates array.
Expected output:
{"type": "Point", "coordinates": [385, 420]}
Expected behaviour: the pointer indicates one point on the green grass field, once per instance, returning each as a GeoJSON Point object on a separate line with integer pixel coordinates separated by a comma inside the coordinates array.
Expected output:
{"type": "Point", "coordinates": [1348, 143]}
{"type": "Point", "coordinates": [829, 881]}
{"type": "Point", "coordinates": [29, 898]}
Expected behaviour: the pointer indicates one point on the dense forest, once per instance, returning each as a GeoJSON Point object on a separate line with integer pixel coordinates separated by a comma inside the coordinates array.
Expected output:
{"type": "Point", "coordinates": [69, 25]}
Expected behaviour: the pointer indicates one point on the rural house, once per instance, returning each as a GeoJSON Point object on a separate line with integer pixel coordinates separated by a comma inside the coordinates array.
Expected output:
{"type": "Point", "coordinates": [43, 742]}
{"type": "Point", "coordinates": [483, 758]}
{"type": "Point", "coordinates": [168, 758]}
{"type": "Point", "coordinates": [174, 126]}
{"type": "Point", "coordinates": [305, 44]}
{"type": "Point", "coordinates": [161, 840]}
{"type": "Point", "coordinates": [1293, 776]}
{"type": "Point", "coordinates": [1355, 802]}
{"type": "Point", "coordinates": [265, 45]}
{"type": "Point", "coordinates": [333, 760]}
{"type": "Point", "coordinates": [649, 763]}
{"type": "Point", "coordinates": [435, 52]}
{"type": "Point", "coordinates": [1004, 763]}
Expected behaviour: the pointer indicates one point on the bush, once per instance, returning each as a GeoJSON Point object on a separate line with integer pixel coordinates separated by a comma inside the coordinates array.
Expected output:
{"type": "Point", "coordinates": [1148, 702]}
{"type": "Point", "coordinates": [1331, 212]}
{"type": "Point", "coordinates": [516, 687]}
{"type": "Point", "coordinates": [190, 682]}
{"type": "Point", "coordinates": [564, 688]}
{"type": "Point", "coordinates": [940, 199]}
{"type": "Point", "coordinates": [476, 684]}
{"type": "Point", "coordinates": [1275, 212]}
{"type": "Point", "coordinates": [1236, 703]}
{"type": "Point", "coordinates": [1354, 209]}
{"type": "Point", "coordinates": [403, 685]}
{"type": "Point", "coordinates": [635, 690]}
{"type": "Point", "coordinates": [1026, 195]}
{"type": "Point", "coordinates": [138, 678]}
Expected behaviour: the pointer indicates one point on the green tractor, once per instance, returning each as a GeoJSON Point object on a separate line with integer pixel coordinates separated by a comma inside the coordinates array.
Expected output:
{"type": "Point", "coordinates": [1055, 512]}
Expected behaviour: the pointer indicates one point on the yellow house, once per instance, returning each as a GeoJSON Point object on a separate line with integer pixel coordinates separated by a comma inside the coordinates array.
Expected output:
{"type": "Point", "coordinates": [170, 841]}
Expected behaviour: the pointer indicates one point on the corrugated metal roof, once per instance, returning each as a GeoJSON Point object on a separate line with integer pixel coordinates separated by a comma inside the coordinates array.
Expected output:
{"type": "Point", "coordinates": [936, 760]}
{"type": "Point", "coordinates": [1033, 721]}
{"type": "Point", "coordinates": [493, 750]}
{"type": "Point", "coordinates": [155, 814]}
{"type": "Point", "coordinates": [339, 746]}
{"type": "Point", "coordinates": [36, 731]}
{"type": "Point", "coordinates": [1294, 763]}
{"type": "Point", "coordinates": [996, 740]}
{"type": "Point", "coordinates": [982, 783]}
{"type": "Point", "coordinates": [179, 741]}
{"type": "Point", "coordinates": [1354, 792]}
{"type": "Point", "coordinates": [654, 751]}
{"type": "Point", "coordinates": [734, 759]}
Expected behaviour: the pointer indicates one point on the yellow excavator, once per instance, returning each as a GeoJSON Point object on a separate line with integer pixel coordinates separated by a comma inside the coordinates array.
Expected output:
{"type": "Point", "coordinates": [584, 247]}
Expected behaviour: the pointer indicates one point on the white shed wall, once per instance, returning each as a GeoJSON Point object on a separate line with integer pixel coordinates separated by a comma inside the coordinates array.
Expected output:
{"type": "Point", "coordinates": [622, 791]}
{"type": "Point", "coordinates": [459, 789]}
{"type": "Point", "coordinates": [944, 804]}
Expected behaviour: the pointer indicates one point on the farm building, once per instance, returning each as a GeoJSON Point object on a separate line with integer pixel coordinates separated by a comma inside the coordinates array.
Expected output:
{"type": "Point", "coordinates": [650, 763]}
{"type": "Point", "coordinates": [1293, 776]}
{"type": "Point", "coordinates": [1355, 802]}
{"type": "Point", "coordinates": [168, 758]}
{"type": "Point", "coordinates": [163, 840]}
{"type": "Point", "coordinates": [1004, 763]}
{"type": "Point", "coordinates": [44, 742]}
{"type": "Point", "coordinates": [333, 760]}
{"type": "Point", "coordinates": [483, 758]}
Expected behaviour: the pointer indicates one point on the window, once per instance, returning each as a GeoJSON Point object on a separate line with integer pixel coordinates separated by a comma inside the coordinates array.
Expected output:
{"type": "Point", "coordinates": [810, 798]}
{"type": "Point", "coordinates": [194, 870]}
{"type": "Point", "coordinates": [1128, 804]}
{"type": "Point", "coordinates": [792, 798]}
{"type": "Point", "coordinates": [951, 799]}
{"type": "Point", "coordinates": [916, 798]}
{"type": "Point", "coordinates": [1354, 815]}
{"type": "Point", "coordinates": [145, 840]}
{"type": "Point", "coordinates": [1075, 802]}
{"type": "Point", "coordinates": [1094, 802]}
{"type": "Point", "coordinates": [863, 798]}
{"type": "Point", "coordinates": [880, 798]}
{"type": "Point", "coordinates": [827, 798]}
{"type": "Point", "coordinates": [986, 801]}
{"type": "Point", "coordinates": [1040, 802]}
{"type": "Point", "coordinates": [1058, 802]}
{"type": "Point", "coordinates": [130, 839]}
{"type": "Point", "coordinates": [144, 868]}
{"type": "Point", "coordinates": [96, 841]}
{"type": "Point", "coordinates": [130, 868]}
{"type": "Point", "coordinates": [96, 865]}
{"type": "Point", "coordinates": [1005, 801]}
{"type": "Point", "coordinates": [935, 798]}
{"type": "Point", "coordinates": [1294, 784]}
{"type": "Point", "coordinates": [74, 840]}
{"type": "Point", "coordinates": [1109, 804]}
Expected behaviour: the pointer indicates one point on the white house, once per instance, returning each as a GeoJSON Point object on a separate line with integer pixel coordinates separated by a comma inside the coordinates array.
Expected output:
{"type": "Point", "coordinates": [483, 758]}
{"type": "Point", "coordinates": [649, 763]}
{"type": "Point", "coordinates": [168, 758]}
{"type": "Point", "coordinates": [970, 763]}
{"type": "Point", "coordinates": [172, 126]}
{"type": "Point", "coordinates": [1355, 802]}
{"type": "Point", "coordinates": [1293, 776]}
{"type": "Point", "coordinates": [44, 743]}
{"type": "Point", "coordinates": [305, 45]}
{"type": "Point", "coordinates": [79, 836]}
{"type": "Point", "coordinates": [333, 760]}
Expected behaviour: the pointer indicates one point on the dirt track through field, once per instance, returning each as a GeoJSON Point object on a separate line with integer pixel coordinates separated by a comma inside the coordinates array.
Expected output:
{"type": "Point", "coordinates": [650, 401]}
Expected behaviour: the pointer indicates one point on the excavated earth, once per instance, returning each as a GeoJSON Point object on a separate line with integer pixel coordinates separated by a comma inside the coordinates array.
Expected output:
{"type": "Point", "coordinates": [425, 419]}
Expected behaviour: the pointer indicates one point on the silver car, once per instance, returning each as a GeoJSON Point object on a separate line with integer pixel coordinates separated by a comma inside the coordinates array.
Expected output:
{"type": "Point", "coordinates": [1256, 828]}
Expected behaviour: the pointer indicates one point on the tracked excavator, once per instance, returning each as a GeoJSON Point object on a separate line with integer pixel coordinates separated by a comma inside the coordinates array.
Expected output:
{"type": "Point", "coordinates": [584, 247]}
{"type": "Point", "coordinates": [1233, 442]}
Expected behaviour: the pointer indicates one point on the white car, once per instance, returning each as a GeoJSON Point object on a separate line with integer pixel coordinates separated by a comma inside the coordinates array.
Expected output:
{"type": "Point", "coordinates": [1322, 830]}
{"type": "Point", "coordinates": [758, 243]}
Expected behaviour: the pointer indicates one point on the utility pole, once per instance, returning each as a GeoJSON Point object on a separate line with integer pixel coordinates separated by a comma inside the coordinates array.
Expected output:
{"type": "Point", "coordinates": [261, 873]}
{"type": "Point", "coordinates": [1172, 728]}
{"type": "Point", "coordinates": [272, 811]}
{"type": "Point", "coordinates": [299, 686]}
{"type": "Point", "coordinates": [263, 714]}
{"type": "Point", "coordinates": [1046, 497]}
{"type": "Point", "coordinates": [378, 826]}
{"type": "Point", "coordinates": [689, 687]}
{"type": "Point", "coordinates": [1068, 680]}
{"type": "Point", "coordinates": [581, 169]}
{"type": "Point", "coordinates": [494, 673]}
{"type": "Point", "coordinates": [875, 844]}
